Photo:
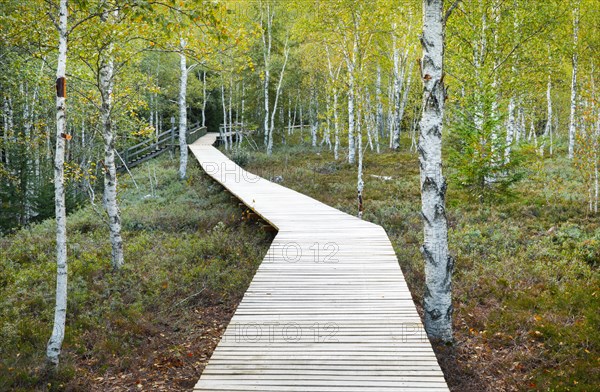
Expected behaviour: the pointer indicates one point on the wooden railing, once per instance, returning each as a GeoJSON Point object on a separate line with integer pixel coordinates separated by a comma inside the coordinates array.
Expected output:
{"type": "Point", "coordinates": [163, 142]}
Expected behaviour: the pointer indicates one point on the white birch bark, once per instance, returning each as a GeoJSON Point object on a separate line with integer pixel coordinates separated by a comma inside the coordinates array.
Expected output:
{"type": "Point", "coordinates": [438, 263]}
{"type": "Point", "coordinates": [60, 310]}
{"type": "Point", "coordinates": [286, 52]}
{"type": "Point", "coordinates": [398, 77]}
{"type": "Point", "coordinates": [379, 118]}
{"type": "Point", "coordinates": [106, 74]}
{"type": "Point", "coordinates": [495, 104]}
{"type": "Point", "coordinates": [267, 43]}
{"type": "Point", "coordinates": [360, 185]}
{"type": "Point", "coordinates": [573, 106]}
{"type": "Point", "coordinates": [205, 99]}
{"type": "Point", "coordinates": [512, 128]}
{"type": "Point", "coordinates": [8, 126]}
{"type": "Point", "coordinates": [333, 77]}
{"type": "Point", "coordinates": [243, 111]}
{"type": "Point", "coordinates": [231, 124]}
{"type": "Point", "coordinates": [548, 127]}
{"type": "Point", "coordinates": [223, 129]}
{"type": "Point", "coordinates": [312, 118]}
{"type": "Point", "coordinates": [350, 64]}
{"type": "Point", "coordinates": [182, 103]}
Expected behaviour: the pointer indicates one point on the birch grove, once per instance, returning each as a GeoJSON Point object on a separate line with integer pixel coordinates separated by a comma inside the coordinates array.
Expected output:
{"type": "Point", "coordinates": [329, 88]}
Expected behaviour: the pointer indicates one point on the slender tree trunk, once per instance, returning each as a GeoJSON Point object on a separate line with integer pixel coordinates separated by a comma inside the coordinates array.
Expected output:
{"type": "Point", "coordinates": [351, 65]}
{"type": "Point", "coordinates": [336, 125]}
{"type": "Point", "coordinates": [183, 80]}
{"type": "Point", "coordinates": [360, 185]}
{"type": "Point", "coordinates": [379, 118]}
{"type": "Point", "coordinates": [231, 124]}
{"type": "Point", "coordinates": [267, 43]}
{"type": "Point", "coordinates": [438, 263]}
{"type": "Point", "coordinates": [223, 129]}
{"type": "Point", "coordinates": [512, 128]}
{"type": "Point", "coordinates": [286, 52]}
{"type": "Point", "coordinates": [106, 73]}
{"type": "Point", "coordinates": [548, 128]}
{"type": "Point", "coordinates": [495, 92]}
{"type": "Point", "coordinates": [242, 114]}
{"type": "Point", "coordinates": [573, 106]}
{"type": "Point", "coordinates": [204, 99]}
{"type": "Point", "coordinates": [8, 128]}
{"type": "Point", "coordinates": [398, 79]}
{"type": "Point", "coordinates": [60, 310]}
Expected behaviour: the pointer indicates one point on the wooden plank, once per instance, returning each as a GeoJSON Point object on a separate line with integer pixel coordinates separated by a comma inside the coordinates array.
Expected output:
{"type": "Point", "coordinates": [328, 308]}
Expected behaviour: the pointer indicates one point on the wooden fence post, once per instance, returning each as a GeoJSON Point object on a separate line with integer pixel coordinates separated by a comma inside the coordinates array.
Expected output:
{"type": "Point", "coordinates": [172, 134]}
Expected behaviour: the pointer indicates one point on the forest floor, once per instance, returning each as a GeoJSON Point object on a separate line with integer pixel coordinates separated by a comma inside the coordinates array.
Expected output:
{"type": "Point", "coordinates": [526, 285]}
{"type": "Point", "coordinates": [190, 253]}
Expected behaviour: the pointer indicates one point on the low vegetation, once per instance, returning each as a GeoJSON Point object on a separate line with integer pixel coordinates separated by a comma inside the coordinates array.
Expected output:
{"type": "Point", "coordinates": [189, 256]}
{"type": "Point", "coordinates": [526, 282]}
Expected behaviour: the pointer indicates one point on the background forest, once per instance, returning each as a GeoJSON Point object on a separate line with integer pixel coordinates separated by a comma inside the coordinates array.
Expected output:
{"type": "Point", "coordinates": [327, 96]}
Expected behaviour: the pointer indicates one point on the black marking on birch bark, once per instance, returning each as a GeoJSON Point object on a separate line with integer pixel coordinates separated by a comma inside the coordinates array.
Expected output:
{"type": "Point", "coordinates": [427, 254]}
{"type": "Point", "coordinates": [435, 314]}
{"type": "Point", "coordinates": [429, 184]}
{"type": "Point", "coordinates": [425, 219]}
{"type": "Point", "coordinates": [360, 202]}
{"type": "Point", "coordinates": [449, 312]}
{"type": "Point", "coordinates": [443, 188]}
{"type": "Point", "coordinates": [61, 87]}
{"type": "Point", "coordinates": [440, 211]}
{"type": "Point", "coordinates": [422, 152]}
{"type": "Point", "coordinates": [449, 269]}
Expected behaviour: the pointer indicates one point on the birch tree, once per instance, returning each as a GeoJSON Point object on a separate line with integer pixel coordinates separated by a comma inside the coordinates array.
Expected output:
{"type": "Point", "coordinates": [266, 24]}
{"type": "Point", "coordinates": [573, 105]}
{"type": "Point", "coordinates": [182, 105]}
{"type": "Point", "coordinates": [105, 85]}
{"type": "Point", "coordinates": [60, 310]}
{"type": "Point", "coordinates": [286, 52]}
{"type": "Point", "coordinates": [438, 262]}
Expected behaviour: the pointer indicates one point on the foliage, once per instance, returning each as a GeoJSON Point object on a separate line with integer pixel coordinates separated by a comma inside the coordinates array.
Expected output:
{"type": "Point", "coordinates": [476, 156]}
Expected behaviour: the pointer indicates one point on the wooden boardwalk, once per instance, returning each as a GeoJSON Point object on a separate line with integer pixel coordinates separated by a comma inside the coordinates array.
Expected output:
{"type": "Point", "coordinates": [328, 309]}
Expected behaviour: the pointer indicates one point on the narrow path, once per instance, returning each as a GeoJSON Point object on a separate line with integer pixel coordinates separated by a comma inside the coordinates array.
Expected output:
{"type": "Point", "coordinates": [328, 308]}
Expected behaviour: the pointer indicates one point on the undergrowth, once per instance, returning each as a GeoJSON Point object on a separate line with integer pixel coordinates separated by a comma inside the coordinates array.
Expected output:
{"type": "Point", "coordinates": [186, 247]}
{"type": "Point", "coordinates": [526, 284]}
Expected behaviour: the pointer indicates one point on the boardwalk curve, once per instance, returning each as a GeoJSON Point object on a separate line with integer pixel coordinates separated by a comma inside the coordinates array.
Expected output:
{"type": "Point", "coordinates": [328, 308]}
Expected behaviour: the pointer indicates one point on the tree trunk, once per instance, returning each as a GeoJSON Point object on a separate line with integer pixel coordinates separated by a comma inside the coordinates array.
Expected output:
{"type": "Point", "coordinates": [223, 129]}
{"type": "Point", "coordinates": [106, 73]}
{"type": "Point", "coordinates": [204, 99]}
{"type": "Point", "coordinates": [183, 79]}
{"type": "Point", "coordinates": [548, 128]}
{"type": "Point", "coordinates": [231, 124]}
{"type": "Point", "coordinates": [60, 309]}
{"type": "Point", "coordinates": [267, 43]}
{"type": "Point", "coordinates": [379, 118]}
{"type": "Point", "coordinates": [336, 127]}
{"type": "Point", "coordinates": [286, 52]}
{"type": "Point", "coordinates": [573, 106]}
{"type": "Point", "coordinates": [351, 65]}
{"type": "Point", "coordinates": [360, 185]}
{"type": "Point", "coordinates": [438, 263]}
